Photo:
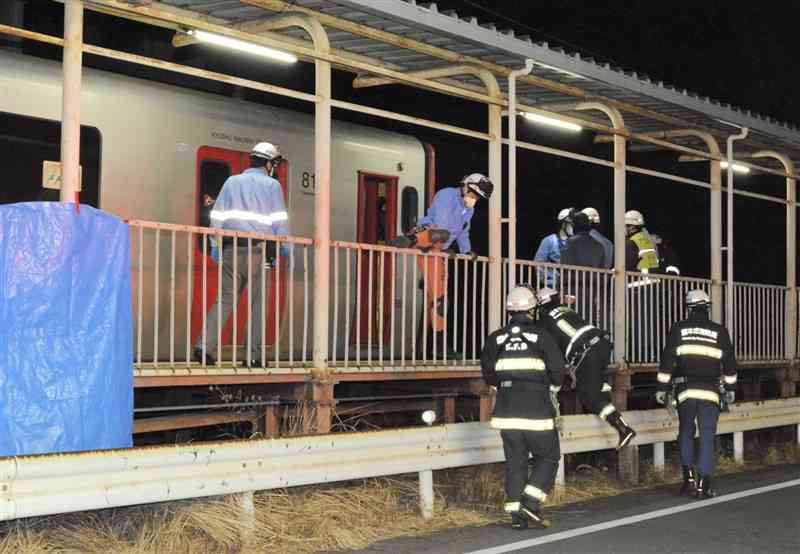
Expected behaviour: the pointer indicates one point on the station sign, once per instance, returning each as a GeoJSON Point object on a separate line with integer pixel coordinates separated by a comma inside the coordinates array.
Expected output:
{"type": "Point", "coordinates": [51, 175]}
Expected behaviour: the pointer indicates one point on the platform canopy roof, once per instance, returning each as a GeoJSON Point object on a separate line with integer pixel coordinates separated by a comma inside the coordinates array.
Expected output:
{"type": "Point", "coordinates": [407, 36]}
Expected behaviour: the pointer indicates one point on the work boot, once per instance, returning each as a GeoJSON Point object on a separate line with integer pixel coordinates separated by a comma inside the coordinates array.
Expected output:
{"type": "Point", "coordinates": [518, 522]}
{"type": "Point", "coordinates": [689, 486]}
{"type": "Point", "coordinates": [625, 432]}
{"type": "Point", "coordinates": [534, 517]}
{"type": "Point", "coordinates": [704, 489]}
{"type": "Point", "coordinates": [197, 356]}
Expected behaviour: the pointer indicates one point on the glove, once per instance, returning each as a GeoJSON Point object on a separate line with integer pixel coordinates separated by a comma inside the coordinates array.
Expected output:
{"type": "Point", "coordinates": [730, 396]}
{"type": "Point", "coordinates": [555, 389]}
{"type": "Point", "coordinates": [661, 397]}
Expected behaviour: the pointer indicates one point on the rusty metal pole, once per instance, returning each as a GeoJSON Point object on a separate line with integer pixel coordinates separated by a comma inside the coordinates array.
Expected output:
{"type": "Point", "coordinates": [71, 101]}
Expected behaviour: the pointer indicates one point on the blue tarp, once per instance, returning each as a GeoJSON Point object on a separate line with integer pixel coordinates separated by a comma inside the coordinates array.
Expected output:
{"type": "Point", "coordinates": [66, 352]}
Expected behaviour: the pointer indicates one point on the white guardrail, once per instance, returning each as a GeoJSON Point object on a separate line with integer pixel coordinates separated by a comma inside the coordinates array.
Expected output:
{"type": "Point", "coordinates": [51, 484]}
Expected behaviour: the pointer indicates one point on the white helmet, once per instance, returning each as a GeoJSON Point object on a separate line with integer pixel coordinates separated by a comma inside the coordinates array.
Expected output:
{"type": "Point", "coordinates": [520, 299]}
{"type": "Point", "coordinates": [545, 295]}
{"type": "Point", "coordinates": [266, 151]}
{"type": "Point", "coordinates": [592, 214]}
{"type": "Point", "coordinates": [565, 214]}
{"type": "Point", "coordinates": [697, 298]}
{"type": "Point", "coordinates": [479, 184]}
{"type": "Point", "coordinates": [632, 217]}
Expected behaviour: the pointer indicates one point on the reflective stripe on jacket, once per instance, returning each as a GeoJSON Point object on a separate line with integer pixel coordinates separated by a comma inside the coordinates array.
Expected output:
{"type": "Point", "coordinates": [648, 253]}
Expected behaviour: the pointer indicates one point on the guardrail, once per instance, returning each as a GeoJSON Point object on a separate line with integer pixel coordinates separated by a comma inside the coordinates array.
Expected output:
{"type": "Point", "coordinates": [50, 484]}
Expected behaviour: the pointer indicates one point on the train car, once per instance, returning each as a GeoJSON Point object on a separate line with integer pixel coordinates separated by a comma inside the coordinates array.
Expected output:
{"type": "Point", "coordinates": [154, 152]}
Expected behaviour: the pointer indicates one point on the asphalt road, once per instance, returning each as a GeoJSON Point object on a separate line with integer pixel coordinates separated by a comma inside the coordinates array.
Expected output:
{"type": "Point", "coordinates": [756, 512]}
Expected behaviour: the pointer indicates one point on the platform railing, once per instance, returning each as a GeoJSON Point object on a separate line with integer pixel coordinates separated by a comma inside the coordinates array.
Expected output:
{"type": "Point", "coordinates": [379, 314]}
{"type": "Point", "coordinates": [759, 330]}
{"type": "Point", "coordinates": [653, 303]}
{"type": "Point", "coordinates": [175, 285]}
{"type": "Point", "coordinates": [589, 291]}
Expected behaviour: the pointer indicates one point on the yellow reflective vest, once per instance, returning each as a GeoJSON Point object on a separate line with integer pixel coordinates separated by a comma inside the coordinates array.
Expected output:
{"type": "Point", "coordinates": [648, 253]}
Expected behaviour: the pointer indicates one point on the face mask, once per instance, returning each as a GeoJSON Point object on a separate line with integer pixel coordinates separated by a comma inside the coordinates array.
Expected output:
{"type": "Point", "coordinates": [470, 202]}
{"type": "Point", "coordinates": [568, 229]}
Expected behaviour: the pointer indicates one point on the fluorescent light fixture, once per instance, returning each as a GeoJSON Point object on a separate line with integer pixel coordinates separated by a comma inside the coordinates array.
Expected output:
{"type": "Point", "coordinates": [536, 118]}
{"type": "Point", "coordinates": [242, 46]}
{"type": "Point", "coordinates": [736, 167]}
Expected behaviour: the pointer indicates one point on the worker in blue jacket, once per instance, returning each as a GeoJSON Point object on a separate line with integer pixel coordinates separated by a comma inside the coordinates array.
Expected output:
{"type": "Point", "coordinates": [251, 202]}
{"type": "Point", "coordinates": [550, 248]}
{"type": "Point", "coordinates": [451, 211]}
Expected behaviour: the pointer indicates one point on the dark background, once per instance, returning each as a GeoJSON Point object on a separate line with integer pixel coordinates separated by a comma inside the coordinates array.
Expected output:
{"type": "Point", "coordinates": [744, 56]}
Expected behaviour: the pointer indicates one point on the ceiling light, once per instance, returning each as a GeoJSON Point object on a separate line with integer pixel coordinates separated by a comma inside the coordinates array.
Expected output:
{"type": "Point", "coordinates": [736, 167]}
{"type": "Point", "coordinates": [536, 118]}
{"type": "Point", "coordinates": [242, 46]}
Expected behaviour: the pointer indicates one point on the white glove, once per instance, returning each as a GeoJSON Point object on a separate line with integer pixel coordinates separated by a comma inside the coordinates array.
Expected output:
{"type": "Point", "coordinates": [661, 397]}
{"type": "Point", "coordinates": [554, 388]}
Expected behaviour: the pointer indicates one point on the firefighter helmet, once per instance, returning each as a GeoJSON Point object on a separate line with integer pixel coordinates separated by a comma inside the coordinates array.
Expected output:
{"type": "Point", "coordinates": [592, 214]}
{"type": "Point", "coordinates": [633, 217]}
{"type": "Point", "coordinates": [565, 214]}
{"type": "Point", "coordinates": [697, 298]}
{"type": "Point", "coordinates": [479, 184]}
{"type": "Point", "coordinates": [266, 151]}
{"type": "Point", "coordinates": [521, 299]}
{"type": "Point", "coordinates": [545, 295]}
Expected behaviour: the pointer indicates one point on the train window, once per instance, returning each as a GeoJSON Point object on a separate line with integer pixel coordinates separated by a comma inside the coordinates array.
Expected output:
{"type": "Point", "coordinates": [26, 142]}
{"type": "Point", "coordinates": [409, 206]}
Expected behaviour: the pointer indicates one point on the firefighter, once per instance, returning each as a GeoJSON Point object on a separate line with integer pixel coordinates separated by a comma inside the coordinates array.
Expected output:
{"type": "Point", "coordinates": [641, 252]}
{"type": "Point", "coordinates": [523, 363]}
{"type": "Point", "coordinates": [697, 359]}
{"type": "Point", "coordinates": [587, 350]}
{"type": "Point", "coordinates": [253, 202]}
{"type": "Point", "coordinates": [446, 223]}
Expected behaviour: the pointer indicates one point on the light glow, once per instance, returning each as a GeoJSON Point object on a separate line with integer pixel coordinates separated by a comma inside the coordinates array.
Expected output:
{"type": "Point", "coordinates": [736, 167]}
{"type": "Point", "coordinates": [242, 46]}
{"type": "Point", "coordinates": [544, 120]}
{"type": "Point", "coordinates": [429, 416]}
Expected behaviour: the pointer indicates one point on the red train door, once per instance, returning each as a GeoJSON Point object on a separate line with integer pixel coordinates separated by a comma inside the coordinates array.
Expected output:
{"type": "Point", "coordinates": [377, 224]}
{"type": "Point", "coordinates": [214, 166]}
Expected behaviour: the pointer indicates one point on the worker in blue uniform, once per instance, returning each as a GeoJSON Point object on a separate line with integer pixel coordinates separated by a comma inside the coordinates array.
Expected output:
{"type": "Point", "coordinates": [697, 358]}
{"type": "Point", "coordinates": [251, 202]}
{"type": "Point", "coordinates": [447, 223]}
{"type": "Point", "coordinates": [550, 248]}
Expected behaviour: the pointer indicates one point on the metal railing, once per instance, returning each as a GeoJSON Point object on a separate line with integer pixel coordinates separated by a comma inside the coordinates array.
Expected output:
{"type": "Point", "coordinates": [379, 307]}
{"type": "Point", "coordinates": [652, 304]}
{"type": "Point", "coordinates": [759, 328]}
{"type": "Point", "coordinates": [590, 291]}
{"type": "Point", "coordinates": [175, 284]}
{"type": "Point", "coordinates": [60, 483]}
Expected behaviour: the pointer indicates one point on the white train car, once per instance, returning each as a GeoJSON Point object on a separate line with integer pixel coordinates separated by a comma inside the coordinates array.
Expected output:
{"type": "Point", "coordinates": [152, 151]}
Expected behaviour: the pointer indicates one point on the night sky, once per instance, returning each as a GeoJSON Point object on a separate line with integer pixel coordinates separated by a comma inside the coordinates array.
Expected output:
{"type": "Point", "coordinates": [745, 56]}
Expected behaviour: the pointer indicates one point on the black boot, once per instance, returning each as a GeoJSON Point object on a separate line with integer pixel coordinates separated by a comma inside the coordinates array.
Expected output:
{"type": "Point", "coordinates": [625, 432]}
{"type": "Point", "coordinates": [208, 360]}
{"type": "Point", "coordinates": [704, 489]}
{"type": "Point", "coordinates": [534, 517]}
{"type": "Point", "coordinates": [689, 486]}
{"type": "Point", "coordinates": [518, 522]}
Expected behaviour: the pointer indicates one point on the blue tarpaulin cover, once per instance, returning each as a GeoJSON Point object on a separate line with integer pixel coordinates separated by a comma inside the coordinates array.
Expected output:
{"type": "Point", "coordinates": [66, 348]}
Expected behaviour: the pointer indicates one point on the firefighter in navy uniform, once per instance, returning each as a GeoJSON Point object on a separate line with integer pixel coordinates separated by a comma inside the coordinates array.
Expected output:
{"type": "Point", "coordinates": [523, 362]}
{"type": "Point", "coordinates": [697, 355]}
{"type": "Point", "coordinates": [586, 349]}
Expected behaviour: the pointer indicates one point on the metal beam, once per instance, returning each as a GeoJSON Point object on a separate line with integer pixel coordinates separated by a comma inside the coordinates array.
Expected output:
{"type": "Point", "coordinates": [791, 250]}
{"type": "Point", "coordinates": [71, 102]}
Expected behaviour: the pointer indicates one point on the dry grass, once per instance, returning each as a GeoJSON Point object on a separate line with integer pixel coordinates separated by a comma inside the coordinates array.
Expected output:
{"type": "Point", "coordinates": [311, 519]}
